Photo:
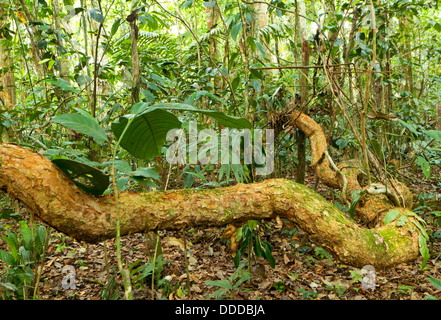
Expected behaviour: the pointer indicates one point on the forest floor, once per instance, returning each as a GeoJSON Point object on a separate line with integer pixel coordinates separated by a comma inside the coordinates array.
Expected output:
{"type": "Point", "coordinates": [302, 271]}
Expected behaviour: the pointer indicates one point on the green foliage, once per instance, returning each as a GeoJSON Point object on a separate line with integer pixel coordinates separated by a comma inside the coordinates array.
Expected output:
{"type": "Point", "coordinates": [142, 275]}
{"type": "Point", "coordinates": [250, 241]}
{"type": "Point", "coordinates": [86, 177]}
{"type": "Point", "coordinates": [26, 250]}
{"type": "Point", "coordinates": [322, 253]}
{"type": "Point", "coordinates": [82, 123]}
{"type": "Point", "coordinates": [310, 295]}
{"type": "Point", "coordinates": [187, 70]}
{"type": "Point", "coordinates": [228, 287]}
{"type": "Point", "coordinates": [147, 132]}
{"type": "Point", "coordinates": [110, 291]}
{"type": "Point", "coordinates": [419, 224]}
{"type": "Point", "coordinates": [339, 289]}
{"type": "Point", "coordinates": [437, 284]}
{"type": "Point", "coordinates": [356, 276]}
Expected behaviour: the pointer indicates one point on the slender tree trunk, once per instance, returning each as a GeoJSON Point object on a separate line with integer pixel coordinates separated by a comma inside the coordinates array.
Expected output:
{"type": "Point", "coordinates": [407, 53]}
{"type": "Point", "coordinates": [64, 62]}
{"type": "Point", "coordinates": [34, 48]}
{"type": "Point", "coordinates": [261, 21]}
{"type": "Point", "coordinates": [301, 138]}
{"type": "Point", "coordinates": [212, 16]}
{"type": "Point", "coordinates": [350, 46]}
{"type": "Point", "coordinates": [8, 93]}
{"type": "Point", "coordinates": [132, 19]}
{"type": "Point", "coordinates": [245, 57]}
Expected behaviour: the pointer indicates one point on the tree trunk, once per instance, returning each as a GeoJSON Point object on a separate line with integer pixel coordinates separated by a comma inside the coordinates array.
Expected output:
{"type": "Point", "coordinates": [301, 138]}
{"type": "Point", "coordinates": [212, 16]}
{"type": "Point", "coordinates": [135, 59]}
{"type": "Point", "coordinates": [8, 91]}
{"type": "Point", "coordinates": [34, 48]}
{"type": "Point", "coordinates": [64, 62]}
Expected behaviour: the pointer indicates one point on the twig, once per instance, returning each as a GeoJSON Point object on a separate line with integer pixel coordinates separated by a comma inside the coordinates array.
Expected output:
{"type": "Point", "coordinates": [106, 260]}
{"type": "Point", "coordinates": [154, 266]}
{"type": "Point", "coordinates": [40, 268]}
{"type": "Point", "coordinates": [187, 271]}
{"type": "Point", "coordinates": [301, 67]}
{"type": "Point", "coordinates": [95, 69]}
{"type": "Point", "coordinates": [345, 181]}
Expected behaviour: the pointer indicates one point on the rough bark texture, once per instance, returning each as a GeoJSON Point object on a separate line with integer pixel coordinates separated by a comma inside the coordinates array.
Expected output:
{"type": "Point", "coordinates": [7, 82]}
{"type": "Point", "coordinates": [55, 199]}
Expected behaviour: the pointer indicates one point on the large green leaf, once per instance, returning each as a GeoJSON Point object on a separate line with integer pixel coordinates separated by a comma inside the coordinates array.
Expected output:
{"type": "Point", "coordinates": [85, 177]}
{"type": "Point", "coordinates": [83, 124]}
{"type": "Point", "coordinates": [222, 118]}
{"type": "Point", "coordinates": [26, 234]}
{"type": "Point", "coordinates": [11, 240]}
{"type": "Point", "coordinates": [261, 49]}
{"type": "Point", "coordinates": [148, 129]}
{"type": "Point", "coordinates": [147, 132]}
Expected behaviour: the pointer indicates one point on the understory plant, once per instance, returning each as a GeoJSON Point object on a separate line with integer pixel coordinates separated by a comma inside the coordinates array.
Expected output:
{"type": "Point", "coordinates": [23, 262]}
{"type": "Point", "coordinates": [251, 242]}
{"type": "Point", "coordinates": [228, 287]}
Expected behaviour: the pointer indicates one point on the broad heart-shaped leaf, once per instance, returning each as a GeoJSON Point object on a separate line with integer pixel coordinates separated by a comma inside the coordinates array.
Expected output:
{"type": "Point", "coordinates": [147, 132]}
{"type": "Point", "coordinates": [150, 125]}
{"type": "Point", "coordinates": [85, 177]}
{"type": "Point", "coordinates": [222, 118]}
{"type": "Point", "coordinates": [82, 124]}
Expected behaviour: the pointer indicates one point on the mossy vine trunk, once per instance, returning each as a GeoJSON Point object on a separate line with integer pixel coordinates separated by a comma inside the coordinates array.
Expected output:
{"type": "Point", "coordinates": [54, 198]}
